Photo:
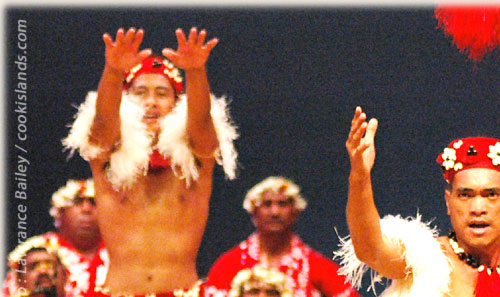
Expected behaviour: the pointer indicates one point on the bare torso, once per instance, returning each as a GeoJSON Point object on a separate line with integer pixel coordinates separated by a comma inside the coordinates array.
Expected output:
{"type": "Point", "coordinates": [152, 231]}
{"type": "Point", "coordinates": [463, 277]}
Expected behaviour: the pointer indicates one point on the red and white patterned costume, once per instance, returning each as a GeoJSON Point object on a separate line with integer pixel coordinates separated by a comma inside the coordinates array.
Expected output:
{"type": "Point", "coordinates": [312, 273]}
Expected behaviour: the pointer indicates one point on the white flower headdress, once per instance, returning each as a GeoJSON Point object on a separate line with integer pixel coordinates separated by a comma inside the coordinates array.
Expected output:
{"type": "Point", "coordinates": [16, 255]}
{"type": "Point", "coordinates": [66, 195]}
{"type": "Point", "coordinates": [276, 184]}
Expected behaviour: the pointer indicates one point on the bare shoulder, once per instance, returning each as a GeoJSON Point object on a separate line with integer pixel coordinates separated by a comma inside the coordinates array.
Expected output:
{"type": "Point", "coordinates": [462, 276]}
{"type": "Point", "coordinates": [445, 243]}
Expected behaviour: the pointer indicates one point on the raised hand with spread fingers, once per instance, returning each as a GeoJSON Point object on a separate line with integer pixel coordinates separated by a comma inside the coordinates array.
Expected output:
{"type": "Point", "coordinates": [361, 143]}
{"type": "Point", "coordinates": [192, 53]}
{"type": "Point", "coordinates": [362, 215]}
{"type": "Point", "coordinates": [123, 53]}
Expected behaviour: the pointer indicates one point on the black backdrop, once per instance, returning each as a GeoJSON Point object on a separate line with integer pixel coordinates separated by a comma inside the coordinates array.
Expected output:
{"type": "Point", "coordinates": [294, 76]}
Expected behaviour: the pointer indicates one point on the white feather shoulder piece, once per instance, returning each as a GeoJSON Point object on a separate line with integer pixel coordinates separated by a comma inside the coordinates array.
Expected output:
{"type": "Point", "coordinates": [130, 159]}
{"type": "Point", "coordinates": [427, 265]}
{"type": "Point", "coordinates": [173, 139]}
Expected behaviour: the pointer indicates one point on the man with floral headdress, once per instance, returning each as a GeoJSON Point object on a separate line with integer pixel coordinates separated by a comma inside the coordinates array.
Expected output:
{"type": "Point", "coordinates": [77, 240]}
{"type": "Point", "coordinates": [36, 269]}
{"type": "Point", "coordinates": [275, 204]}
{"type": "Point", "coordinates": [464, 263]}
{"type": "Point", "coordinates": [152, 151]}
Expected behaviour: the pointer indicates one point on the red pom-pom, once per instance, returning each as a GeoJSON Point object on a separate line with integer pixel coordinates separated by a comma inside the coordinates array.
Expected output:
{"type": "Point", "coordinates": [157, 161]}
{"type": "Point", "coordinates": [474, 29]}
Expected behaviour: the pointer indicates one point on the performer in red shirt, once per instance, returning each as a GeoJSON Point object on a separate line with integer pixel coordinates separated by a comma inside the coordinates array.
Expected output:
{"type": "Point", "coordinates": [275, 204]}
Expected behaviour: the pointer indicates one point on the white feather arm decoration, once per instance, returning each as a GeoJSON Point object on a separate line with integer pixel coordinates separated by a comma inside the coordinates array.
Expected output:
{"type": "Point", "coordinates": [131, 156]}
{"type": "Point", "coordinates": [427, 265]}
{"type": "Point", "coordinates": [80, 129]}
{"type": "Point", "coordinates": [173, 139]}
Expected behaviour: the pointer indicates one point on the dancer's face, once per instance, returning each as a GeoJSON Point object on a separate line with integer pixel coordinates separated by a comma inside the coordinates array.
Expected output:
{"type": "Point", "coordinates": [473, 204]}
{"type": "Point", "coordinates": [276, 213]}
{"type": "Point", "coordinates": [156, 95]}
{"type": "Point", "coordinates": [79, 220]}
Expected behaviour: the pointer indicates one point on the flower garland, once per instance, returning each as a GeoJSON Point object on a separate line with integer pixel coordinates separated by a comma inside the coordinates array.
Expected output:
{"type": "Point", "coordinates": [295, 265]}
{"type": "Point", "coordinates": [76, 264]}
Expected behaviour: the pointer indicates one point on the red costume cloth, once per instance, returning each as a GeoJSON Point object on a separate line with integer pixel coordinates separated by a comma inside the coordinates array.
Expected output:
{"type": "Point", "coordinates": [76, 264]}
{"type": "Point", "coordinates": [311, 272]}
{"type": "Point", "coordinates": [488, 283]}
{"type": "Point", "coordinates": [157, 161]}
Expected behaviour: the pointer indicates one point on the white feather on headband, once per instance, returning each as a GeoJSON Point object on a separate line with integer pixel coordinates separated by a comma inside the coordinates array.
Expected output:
{"type": "Point", "coordinates": [131, 158]}
{"type": "Point", "coordinates": [428, 268]}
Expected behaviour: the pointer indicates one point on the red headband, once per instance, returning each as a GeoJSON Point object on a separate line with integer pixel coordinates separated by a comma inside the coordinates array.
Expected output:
{"type": "Point", "coordinates": [474, 29]}
{"type": "Point", "coordinates": [155, 65]}
{"type": "Point", "coordinates": [468, 153]}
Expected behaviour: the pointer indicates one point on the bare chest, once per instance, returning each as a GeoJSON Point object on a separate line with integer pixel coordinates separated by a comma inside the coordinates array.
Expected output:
{"type": "Point", "coordinates": [155, 197]}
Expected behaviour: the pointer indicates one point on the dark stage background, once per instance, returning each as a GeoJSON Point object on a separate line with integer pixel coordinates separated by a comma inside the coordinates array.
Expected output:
{"type": "Point", "coordinates": [294, 76]}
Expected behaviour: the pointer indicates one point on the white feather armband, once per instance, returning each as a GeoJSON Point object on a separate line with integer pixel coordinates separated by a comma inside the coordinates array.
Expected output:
{"type": "Point", "coordinates": [427, 266]}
